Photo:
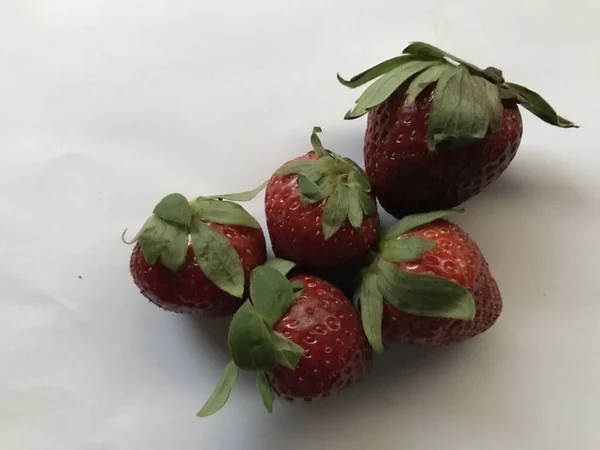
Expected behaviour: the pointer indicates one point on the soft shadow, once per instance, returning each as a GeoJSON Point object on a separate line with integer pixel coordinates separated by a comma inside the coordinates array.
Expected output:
{"type": "Point", "coordinates": [211, 332]}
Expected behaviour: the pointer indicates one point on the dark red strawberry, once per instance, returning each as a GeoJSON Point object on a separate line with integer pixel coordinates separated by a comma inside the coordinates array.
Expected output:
{"type": "Point", "coordinates": [302, 338]}
{"type": "Point", "coordinates": [197, 257]}
{"type": "Point", "coordinates": [320, 210]}
{"type": "Point", "coordinates": [439, 129]}
{"type": "Point", "coordinates": [428, 284]}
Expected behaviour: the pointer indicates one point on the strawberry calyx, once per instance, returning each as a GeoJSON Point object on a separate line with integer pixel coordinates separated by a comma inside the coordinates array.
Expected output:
{"type": "Point", "coordinates": [254, 345]}
{"type": "Point", "coordinates": [175, 223]}
{"type": "Point", "coordinates": [338, 182]}
{"type": "Point", "coordinates": [468, 101]}
{"type": "Point", "coordinates": [420, 294]}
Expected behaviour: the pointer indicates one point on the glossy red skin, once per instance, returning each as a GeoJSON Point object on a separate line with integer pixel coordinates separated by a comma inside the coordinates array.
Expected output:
{"type": "Point", "coordinates": [336, 351]}
{"type": "Point", "coordinates": [296, 230]}
{"type": "Point", "coordinates": [408, 178]}
{"type": "Point", "coordinates": [456, 257]}
{"type": "Point", "coordinates": [188, 290]}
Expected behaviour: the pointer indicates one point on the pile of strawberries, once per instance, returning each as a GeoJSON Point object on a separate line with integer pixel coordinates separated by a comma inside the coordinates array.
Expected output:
{"type": "Point", "coordinates": [439, 131]}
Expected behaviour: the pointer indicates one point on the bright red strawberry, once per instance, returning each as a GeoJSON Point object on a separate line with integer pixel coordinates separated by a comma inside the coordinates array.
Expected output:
{"type": "Point", "coordinates": [320, 210]}
{"type": "Point", "coordinates": [439, 129]}
{"type": "Point", "coordinates": [197, 257]}
{"type": "Point", "coordinates": [429, 284]}
{"type": "Point", "coordinates": [302, 338]}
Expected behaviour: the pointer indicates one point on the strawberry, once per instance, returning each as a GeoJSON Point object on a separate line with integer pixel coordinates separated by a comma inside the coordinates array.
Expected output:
{"type": "Point", "coordinates": [439, 129]}
{"type": "Point", "coordinates": [428, 284]}
{"type": "Point", "coordinates": [301, 337]}
{"type": "Point", "coordinates": [320, 210]}
{"type": "Point", "coordinates": [196, 257]}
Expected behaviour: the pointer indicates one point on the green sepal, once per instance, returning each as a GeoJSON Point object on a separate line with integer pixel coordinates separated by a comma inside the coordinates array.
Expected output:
{"type": "Point", "coordinates": [535, 104]}
{"type": "Point", "coordinates": [271, 293]}
{"type": "Point", "coordinates": [245, 196]}
{"type": "Point", "coordinates": [310, 191]}
{"type": "Point", "coordinates": [221, 393]}
{"type": "Point", "coordinates": [217, 258]}
{"type": "Point", "coordinates": [250, 342]}
{"type": "Point", "coordinates": [412, 221]}
{"type": "Point", "coordinates": [405, 249]}
{"type": "Point", "coordinates": [370, 301]}
{"type": "Point", "coordinates": [424, 49]}
{"type": "Point", "coordinates": [174, 208]}
{"type": "Point", "coordinates": [373, 72]}
{"type": "Point", "coordinates": [288, 353]}
{"type": "Point", "coordinates": [164, 241]}
{"type": "Point", "coordinates": [460, 113]}
{"type": "Point", "coordinates": [316, 142]}
{"type": "Point", "coordinates": [283, 266]}
{"type": "Point", "coordinates": [381, 89]}
{"type": "Point", "coordinates": [223, 212]}
{"type": "Point", "coordinates": [430, 75]}
{"type": "Point", "coordinates": [335, 211]}
{"type": "Point", "coordinates": [266, 391]}
{"type": "Point", "coordinates": [424, 295]}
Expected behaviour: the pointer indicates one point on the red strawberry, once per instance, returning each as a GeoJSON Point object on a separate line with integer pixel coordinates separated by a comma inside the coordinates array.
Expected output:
{"type": "Point", "coordinates": [302, 338]}
{"type": "Point", "coordinates": [197, 257]}
{"type": "Point", "coordinates": [429, 284]}
{"type": "Point", "coordinates": [438, 132]}
{"type": "Point", "coordinates": [320, 211]}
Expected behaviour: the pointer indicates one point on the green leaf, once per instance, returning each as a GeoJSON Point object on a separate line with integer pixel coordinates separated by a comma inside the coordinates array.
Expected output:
{"type": "Point", "coordinates": [223, 212]}
{"type": "Point", "coordinates": [371, 309]}
{"type": "Point", "coordinates": [288, 353]}
{"type": "Point", "coordinates": [271, 293]}
{"type": "Point", "coordinates": [412, 221]}
{"type": "Point", "coordinates": [316, 142]}
{"type": "Point", "coordinates": [424, 49]}
{"type": "Point", "coordinates": [404, 249]}
{"type": "Point", "coordinates": [535, 104]}
{"type": "Point", "coordinates": [367, 204]}
{"type": "Point", "coordinates": [335, 211]}
{"type": "Point", "coordinates": [174, 208]}
{"type": "Point", "coordinates": [163, 240]}
{"type": "Point", "coordinates": [266, 391]}
{"type": "Point", "coordinates": [459, 113]}
{"type": "Point", "coordinates": [245, 196]}
{"type": "Point", "coordinates": [297, 287]}
{"type": "Point", "coordinates": [424, 295]}
{"type": "Point", "coordinates": [217, 258]}
{"type": "Point", "coordinates": [494, 104]}
{"type": "Point", "coordinates": [281, 265]}
{"type": "Point", "coordinates": [222, 391]}
{"type": "Point", "coordinates": [250, 342]}
{"type": "Point", "coordinates": [355, 212]}
{"type": "Point", "coordinates": [374, 72]}
{"type": "Point", "coordinates": [310, 192]}
{"type": "Point", "coordinates": [424, 79]}
{"type": "Point", "coordinates": [385, 86]}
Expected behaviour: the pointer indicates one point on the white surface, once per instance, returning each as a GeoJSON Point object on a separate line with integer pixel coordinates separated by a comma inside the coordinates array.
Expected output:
{"type": "Point", "coordinates": [107, 105]}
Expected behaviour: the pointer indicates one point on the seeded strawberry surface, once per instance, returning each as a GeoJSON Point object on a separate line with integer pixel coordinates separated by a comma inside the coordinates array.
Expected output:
{"type": "Point", "coordinates": [409, 178]}
{"type": "Point", "coordinates": [296, 229]}
{"type": "Point", "coordinates": [188, 290]}
{"type": "Point", "coordinates": [456, 257]}
{"type": "Point", "coordinates": [336, 352]}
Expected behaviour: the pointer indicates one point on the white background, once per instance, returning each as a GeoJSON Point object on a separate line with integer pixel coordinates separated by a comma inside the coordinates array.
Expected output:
{"type": "Point", "coordinates": [107, 105]}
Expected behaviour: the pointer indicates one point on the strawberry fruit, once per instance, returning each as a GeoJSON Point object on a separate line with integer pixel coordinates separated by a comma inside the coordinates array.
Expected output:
{"type": "Point", "coordinates": [428, 284]}
{"type": "Point", "coordinates": [320, 210]}
{"type": "Point", "coordinates": [301, 337]}
{"type": "Point", "coordinates": [196, 257]}
{"type": "Point", "coordinates": [439, 129]}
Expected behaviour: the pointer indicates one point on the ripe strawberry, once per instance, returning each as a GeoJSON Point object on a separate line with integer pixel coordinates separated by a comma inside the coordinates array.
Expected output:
{"type": "Point", "coordinates": [320, 210]}
{"type": "Point", "coordinates": [438, 132]}
{"type": "Point", "coordinates": [197, 257]}
{"type": "Point", "coordinates": [302, 338]}
{"type": "Point", "coordinates": [429, 284]}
